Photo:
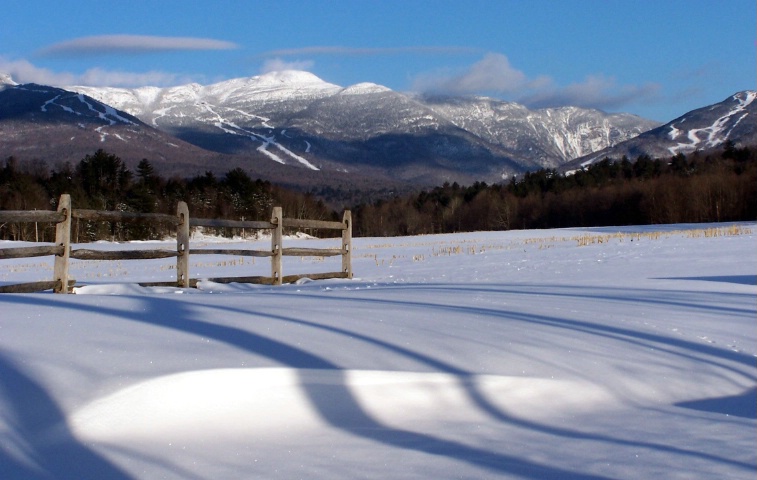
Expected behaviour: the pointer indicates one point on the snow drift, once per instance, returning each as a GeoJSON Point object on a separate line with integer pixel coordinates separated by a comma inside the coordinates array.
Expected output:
{"type": "Point", "coordinates": [595, 353]}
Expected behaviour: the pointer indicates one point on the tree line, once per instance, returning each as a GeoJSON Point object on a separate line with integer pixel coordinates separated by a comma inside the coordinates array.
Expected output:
{"type": "Point", "coordinates": [700, 187]}
{"type": "Point", "coordinates": [713, 187]}
{"type": "Point", "coordinates": [102, 181]}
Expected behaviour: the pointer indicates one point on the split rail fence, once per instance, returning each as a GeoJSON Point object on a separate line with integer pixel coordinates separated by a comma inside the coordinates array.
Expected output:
{"type": "Point", "coordinates": [62, 283]}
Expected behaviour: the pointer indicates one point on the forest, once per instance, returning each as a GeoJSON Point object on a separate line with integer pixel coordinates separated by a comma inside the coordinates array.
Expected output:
{"type": "Point", "coordinates": [102, 181]}
{"type": "Point", "coordinates": [719, 185]}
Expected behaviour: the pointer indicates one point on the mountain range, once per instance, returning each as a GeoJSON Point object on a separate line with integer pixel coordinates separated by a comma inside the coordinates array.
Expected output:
{"type": "Point", "coordinates": [293, 128]}
{"type": "Point", "coordinates": [295, 118]}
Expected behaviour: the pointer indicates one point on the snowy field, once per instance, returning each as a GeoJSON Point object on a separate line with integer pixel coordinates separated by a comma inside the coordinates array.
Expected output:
{"type": "Point", "coordinates": [607, 353]}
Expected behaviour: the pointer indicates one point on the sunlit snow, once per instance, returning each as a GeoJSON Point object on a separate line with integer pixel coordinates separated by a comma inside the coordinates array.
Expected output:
{"type": "Point", "coordinates": [620, 353]}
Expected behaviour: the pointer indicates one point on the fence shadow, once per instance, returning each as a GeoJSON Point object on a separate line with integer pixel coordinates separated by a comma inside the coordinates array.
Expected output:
{"type": "Point", "coordinates": [743, 405]}
{"type": "Point", "coordinates": [338, 406]}
{"type": "Point", "coordinates": [47, 449]}
{"type": "Point", "coordinates": [182, 317]}
{"type": "Point", "coordinates": [737, 279]}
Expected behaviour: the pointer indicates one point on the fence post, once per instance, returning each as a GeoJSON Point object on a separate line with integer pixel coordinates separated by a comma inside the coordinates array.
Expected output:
{"type": "Point", "coordinates": [182, 245]}
{"type": "Point", "coordinates": [62, 239]}
{"type": "Point", "coordinates": [277, 236]}
{"type": "Point", "coordinates": [347, 244]}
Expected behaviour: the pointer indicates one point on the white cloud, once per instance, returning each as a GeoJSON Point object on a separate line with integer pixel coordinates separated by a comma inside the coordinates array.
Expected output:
{"type": "Point", "coordinates": [23, 71]}
{"type": "Point", "coordinates": [494, 75]}
{"type": "Point", "coordinates": [596, 91]}
{"type": "Point", "coordinates": [279, 65]}
{"type": "Point", "coordinates": [114, 78]}
{"type": "Point", "coordinates": [110, 44]}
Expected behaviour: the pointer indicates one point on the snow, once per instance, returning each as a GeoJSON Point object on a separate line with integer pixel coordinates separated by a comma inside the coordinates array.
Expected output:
{"type": "Point", "coordinates": [104, 116]}
{"type": "Point", "coordinates": [267, 102]}
{"type": "Point", "coordinates": [716, 133]}
{"type": "Point", "coordinates": [625, 352]}
{"type": "Point", "coordinates": [272, 86]}
{"type": "Point", "coordinates": [53, 101]}
{"type": "Point", "coordinates": [228, 126]}
{"type": "Point", "coordinates": [364, 88]}
{"type": "Point", "coordinates": [297, 77]}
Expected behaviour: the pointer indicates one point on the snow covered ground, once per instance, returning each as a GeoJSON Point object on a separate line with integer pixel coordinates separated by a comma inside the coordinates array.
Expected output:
{"type": "Point", "coordinates": [620, 353]}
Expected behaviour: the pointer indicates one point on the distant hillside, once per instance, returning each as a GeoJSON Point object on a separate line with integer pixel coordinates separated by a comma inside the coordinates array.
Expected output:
{"type": "Point", "coordinates": [734, 119]}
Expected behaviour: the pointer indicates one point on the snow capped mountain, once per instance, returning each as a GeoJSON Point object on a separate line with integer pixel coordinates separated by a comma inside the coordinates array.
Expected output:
{"type": "Point", "coordinates": [227, 116]}
{"type": "Point", "coordinates": [160, 107]}
{"type": "Point", "coordinates": [363, 88]}
{"type": "Point", "coordinates": [547, 137]}
{"type": "Point", "coordinates": [39, 122]}
{"type": "Point", "coordinates": [731, 114]}
{"type": "Point", "coordinates": [734, 119]}
{"type": "Point", "coordinates": [295, 118]}
{"type": "Point", "coordinates": [300, 123]}
{"type": "Point", "coordinates": [297, 125]}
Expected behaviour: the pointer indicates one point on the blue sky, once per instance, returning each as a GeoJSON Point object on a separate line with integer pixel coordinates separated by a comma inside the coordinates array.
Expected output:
{"type": "Point", "coordinates": [655, 58]}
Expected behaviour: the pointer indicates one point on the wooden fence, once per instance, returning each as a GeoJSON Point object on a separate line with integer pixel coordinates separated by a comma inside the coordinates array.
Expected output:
{"type": "Point", "coordinates": [62, 283]}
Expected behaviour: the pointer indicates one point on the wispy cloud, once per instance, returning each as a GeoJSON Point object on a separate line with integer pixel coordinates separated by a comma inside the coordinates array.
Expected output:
{"type": "Point", "coordinates": [131, 44]}
{"type": "Point", "coordinates": [279, 65]}
{"type": "Point", "coordinates": [494, 75]}
{"type": "Point", "coordinates": [351, 51]}
{"type": "Point", "coordinates": [23, 71]}
{"type": "Point", "coordinates": [596, 91]}
{"type": "Point", "coordinates": [116, 78]}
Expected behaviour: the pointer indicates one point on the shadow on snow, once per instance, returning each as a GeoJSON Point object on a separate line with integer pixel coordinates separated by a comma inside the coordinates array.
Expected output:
{"type": "Point", "coordinates": [345, 414]}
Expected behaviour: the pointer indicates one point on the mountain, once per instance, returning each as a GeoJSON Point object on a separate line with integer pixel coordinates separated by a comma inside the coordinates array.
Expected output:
{"type": "Point", "coordinates": [547, 137]}
{"type": "Point", "coordinates": [296, 119]}
{"type": "Point", "coordinates": [734, 119]}
{"type": "Point", "coordinates": [295, 129]}
{"type": "Point", "coordinates": [54, 125]}
{"type": "Point", "coordinates": [43, 126]}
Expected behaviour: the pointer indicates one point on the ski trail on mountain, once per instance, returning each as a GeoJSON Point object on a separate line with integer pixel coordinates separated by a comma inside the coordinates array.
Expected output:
{"type": "Point", "coordinates": [713, 132]}
{"type": "Point", "coordinates": [110, 115]}
{"type": "Point", "coordinates": [264, 120]}
{"type": "Point", "coordinates": [223, 124]}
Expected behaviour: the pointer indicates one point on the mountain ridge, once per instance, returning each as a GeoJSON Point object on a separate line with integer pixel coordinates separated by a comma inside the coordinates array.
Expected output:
{"type": "Point", "coordinates": [698, 130]}
{"type": "Point", "coordinates": [293, 127]}
{"type": "Point", "coordinates": [348, 128]}
{"type": "Point", "coordinates": [50, 123]}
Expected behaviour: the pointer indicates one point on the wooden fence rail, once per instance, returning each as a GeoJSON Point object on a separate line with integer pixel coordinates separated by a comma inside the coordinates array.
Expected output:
{"type": "Point", "coordinates": [62, 251]}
